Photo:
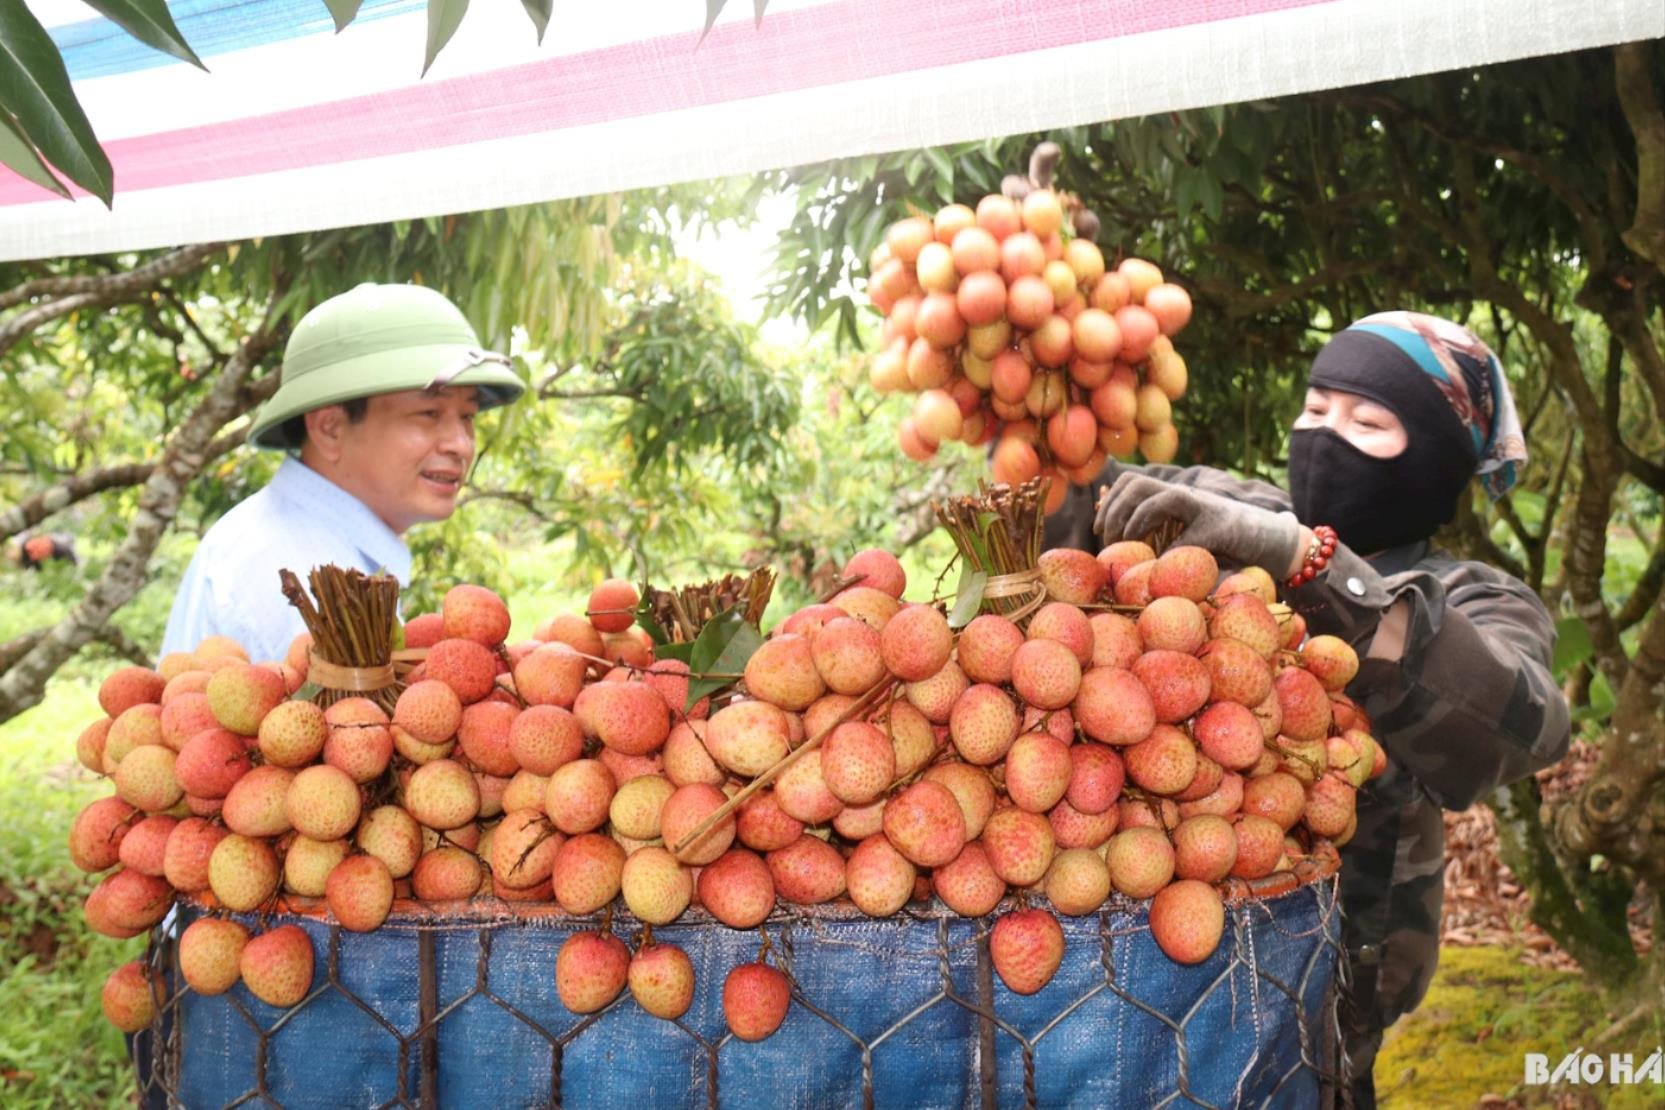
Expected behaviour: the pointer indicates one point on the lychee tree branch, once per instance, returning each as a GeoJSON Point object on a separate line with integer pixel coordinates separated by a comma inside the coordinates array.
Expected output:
{"type": "Point", "coordinates": [24, 682]}
{"type": "Point", "coordinates": [78, 487]}
{"type": "Point", "coordinates": [85, 292]}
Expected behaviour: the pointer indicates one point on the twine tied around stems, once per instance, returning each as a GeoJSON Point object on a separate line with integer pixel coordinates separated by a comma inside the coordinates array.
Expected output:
{"type": "Point", "coordinates": [1026, 584]}
{"type": "Point", "coordinates": [359, 680]}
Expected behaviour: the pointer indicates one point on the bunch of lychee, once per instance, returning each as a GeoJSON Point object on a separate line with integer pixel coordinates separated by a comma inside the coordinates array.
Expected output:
{"type": "Point", "coordinates": [1155, 751]}
{"type": "Point", "coordinates": [1010, 331]}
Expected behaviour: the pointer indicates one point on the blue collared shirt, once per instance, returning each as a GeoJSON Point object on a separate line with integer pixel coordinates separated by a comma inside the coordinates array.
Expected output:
{"type": "Point", "coordinates": [298, 521]}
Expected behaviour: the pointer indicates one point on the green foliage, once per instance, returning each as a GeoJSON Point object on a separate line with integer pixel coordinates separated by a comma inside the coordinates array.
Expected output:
{"type": "Point", "coordinates": [42, 111]}
{"type": "Point", "coordinates": [56, 1049]}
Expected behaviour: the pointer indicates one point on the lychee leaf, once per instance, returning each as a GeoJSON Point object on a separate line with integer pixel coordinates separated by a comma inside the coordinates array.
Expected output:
{"type": "Point", "coordinates": [656, 632]}
{"type": "Point", "coordinates": [968, 596]}
{"type": "Point", "coordinates": [682, 652]}
{"type": "Point", "coordinates": [722, 648]}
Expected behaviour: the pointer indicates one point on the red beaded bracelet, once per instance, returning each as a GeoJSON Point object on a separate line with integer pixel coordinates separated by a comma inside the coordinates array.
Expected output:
{"type": "Point", "coordinates": [1324, 540]}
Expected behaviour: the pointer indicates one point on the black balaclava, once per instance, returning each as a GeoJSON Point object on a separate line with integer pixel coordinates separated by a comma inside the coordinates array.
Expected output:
{"type": "Point", "coordinates": [1374, 504]}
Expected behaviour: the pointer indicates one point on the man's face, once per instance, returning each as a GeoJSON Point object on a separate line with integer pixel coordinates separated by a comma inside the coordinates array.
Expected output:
{"type": "Point", "coordinates": [407, 458]}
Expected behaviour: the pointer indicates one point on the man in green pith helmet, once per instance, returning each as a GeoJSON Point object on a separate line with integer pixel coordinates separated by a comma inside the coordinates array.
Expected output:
{"type": "Point", "coordinates": [380, 388]}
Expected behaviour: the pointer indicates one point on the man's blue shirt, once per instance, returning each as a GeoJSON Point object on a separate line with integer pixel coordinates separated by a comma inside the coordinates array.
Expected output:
{"type": "Point", "coordinates": [298, 521]}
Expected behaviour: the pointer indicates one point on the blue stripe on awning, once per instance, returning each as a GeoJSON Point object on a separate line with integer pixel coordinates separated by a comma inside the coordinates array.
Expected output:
{"type": "Point", "coordinates": [100, 48]}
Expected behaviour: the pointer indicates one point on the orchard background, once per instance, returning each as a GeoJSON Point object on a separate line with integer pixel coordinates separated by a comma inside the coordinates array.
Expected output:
{"type": "Point", "coordinates": [673, 435]}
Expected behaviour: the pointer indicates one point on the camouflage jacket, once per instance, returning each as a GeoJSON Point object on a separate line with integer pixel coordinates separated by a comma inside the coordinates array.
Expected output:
{"type": "Point", "coordinates": [1468, 704]}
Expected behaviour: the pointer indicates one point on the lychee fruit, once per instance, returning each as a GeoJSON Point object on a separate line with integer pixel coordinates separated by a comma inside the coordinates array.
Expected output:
{"type": "Point", "coordinates": [209, 949]}
{"type": "Point", "coordinates": [661, 980]}
{"type": "Point", "coordinates": [1236, 673]}
{"type": "Point", "coordinates": [1205, 847]}
{"type": "Point", "coordinates": [848, 655]}
{"type": "Point", "coordinates": [612, 606]}
{"type": "Point", "coordinates": [580, 794]}
{"type": "Point", "coordinates": [871, 606]}
{"type": "Point", "coordinates": [189, 848]}
{"type": "Point", "coordinates": [474, 613]}
{"type": "Point", "coordinates": [1331, 660]}
{"type": "Point", "coordinates": [986, 648]}
{"type": "Point", "coordinates": [470, 669]}
{"type": "Point", "coordinates": [1305, 706]}
{"type": "Point", "coordinates": [916, 643]}
{"type": "Point", "coordinates": [1114, 706]}
{"type": "Point", "coordinates": [755, 1000]}
{"type": "Point", "coordinates": [878, 569]}
{"type": "Point", "coordinates": [393, 836]}
{"type": "Point", "coordinates": [1141, 861]}
{"type": "Point", "coordinates": [968, 884]}
{"type": "Point", "coordinates": [242, 872]}
{"type": "Point", "coordinates": [129, 996]}
{"type": "Point", "coordinates": [971, 789]}
{"type": "Point", "coordinates": [748, 737]}
{"type": "Point", "coordinates": [1163, 762]}
{"type": "Point", "coordinates": [1026, 947]}
{"type": "Point", "coordinates": [277, 965]}
{"type": "Point", "coordinates": [587, 872]}
{"type": "Point", "coordinates": [1046, 673]}
{"type": "Point", "coordinates": [359, 742]}
{"type": "Point", "coordinates": [807, 872]}
{"type": "Point", "coordinates": [1066, 624]}
{"type": "Point", "coordinates": [925, 823]}
{"type": "Point", "coordinates": [442, 795]}
{"type": "Point", "coordinates": [360, 893]}
{"type": "Point", "coordinates": [1116, 640]}
{"type": "Point", "coordinates": [591, 969]}
{"type": "Point", "coordinates": [655, 886]}
{"type": "Point", "coordinates": [1096, 777]}
{"type": "Point", "coordinates": [1020, 845]}
{"type": "Point", "coordinates": [146, 779]}
{"type": "Point", "coordinates": [96, 834]}
{"type": "Point", "coordinates": [737, 889]}
{"type": "Point", "coordinates": [1259, 846]}
{"type": "Point", "coordinates": [1072, 576]}
{"type": "Point", "coordinates": [523, 848]}
{"type": "Point", "coordinates": [129, 686]}
{"type": "Point", "coordinates": [857, 762]}
{"type": "Point", "coordinates": [144, 847]}
{"type": "Point", "coordinates": [446, 874]}
{"type": "Point", "coordinates": [1178, 683]}
{"type": "Point", "coordinates": [1184, 571]}
{"type": "Point", "coordinates": [1229, 734]}
{"type": "Point", "coordinates": [1246, 619]}
{"type": "Point", "coordinates": [1118, 557]}
{"type": "Point", "coordinates": [1187, 919]}
{"type": "Point", "coordinates": [684, 811]}
{"type": "Point", "coordinates": [782, 672]}
{"type": "Point", "coordinates": [935, 696]}
{"type": "Point", "coordinates": [1038, 771]}
{"type": "Point", "coordinates": [1078, 882]}
{"type": "Point", "coordinates": [241, 695]}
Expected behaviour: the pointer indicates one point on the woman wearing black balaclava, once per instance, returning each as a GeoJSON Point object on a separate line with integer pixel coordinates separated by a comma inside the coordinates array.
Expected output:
{"type": "Point", "coordinates": [1402, 410]}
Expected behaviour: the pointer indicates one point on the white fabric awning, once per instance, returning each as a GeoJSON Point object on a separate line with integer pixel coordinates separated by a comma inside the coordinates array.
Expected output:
{"type": "Point", "coordinates": [298, 128]}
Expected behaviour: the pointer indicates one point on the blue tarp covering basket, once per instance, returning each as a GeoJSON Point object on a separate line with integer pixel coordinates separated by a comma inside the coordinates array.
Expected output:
{"type": "Point", "coordinates": [460, 1010]}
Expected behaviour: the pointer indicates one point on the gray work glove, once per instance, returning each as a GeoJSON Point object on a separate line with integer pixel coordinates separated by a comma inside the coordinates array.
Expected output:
{"type": "Point", "coordinates": [1238, 534]}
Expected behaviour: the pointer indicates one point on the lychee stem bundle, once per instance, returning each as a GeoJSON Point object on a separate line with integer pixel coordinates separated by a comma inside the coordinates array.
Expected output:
{"type": "Point", "coordinates": [352, 624]}
{"type": "Point", "coordinates": [998, 531]}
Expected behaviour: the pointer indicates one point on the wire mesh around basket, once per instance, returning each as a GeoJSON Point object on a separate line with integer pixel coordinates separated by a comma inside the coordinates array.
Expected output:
{"type": "Point", "coordinates": [903, 1011]}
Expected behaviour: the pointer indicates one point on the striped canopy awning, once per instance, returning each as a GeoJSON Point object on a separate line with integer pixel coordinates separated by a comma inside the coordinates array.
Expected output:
{"type": "Point", "coordinates": [297, 128]}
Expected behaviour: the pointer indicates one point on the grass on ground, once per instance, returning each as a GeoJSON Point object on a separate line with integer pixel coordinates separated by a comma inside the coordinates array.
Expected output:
{"type": "Point", "coordinates": [1485, 1011]}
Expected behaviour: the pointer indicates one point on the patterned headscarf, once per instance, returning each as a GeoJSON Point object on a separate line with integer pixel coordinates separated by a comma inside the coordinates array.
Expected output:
{"type": "Point", "coordinates": [1471, 381]}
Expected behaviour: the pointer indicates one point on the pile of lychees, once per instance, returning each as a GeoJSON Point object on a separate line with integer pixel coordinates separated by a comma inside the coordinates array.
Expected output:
{"type": "Point", "coordinates": [1151, 730]}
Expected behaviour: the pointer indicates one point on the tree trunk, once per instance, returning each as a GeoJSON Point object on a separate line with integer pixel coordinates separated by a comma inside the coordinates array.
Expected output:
{"type": "Point", "coordinates": [23, 683]}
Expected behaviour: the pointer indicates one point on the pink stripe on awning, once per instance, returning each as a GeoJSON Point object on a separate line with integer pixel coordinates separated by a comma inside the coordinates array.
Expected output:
{"type": "Point", "coordinates": [792, 50]}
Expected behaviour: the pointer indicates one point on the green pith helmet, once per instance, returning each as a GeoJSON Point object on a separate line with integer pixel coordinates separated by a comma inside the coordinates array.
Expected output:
{"type": "Point", "coordinates": [380, 339]}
